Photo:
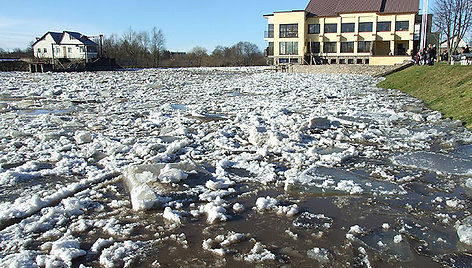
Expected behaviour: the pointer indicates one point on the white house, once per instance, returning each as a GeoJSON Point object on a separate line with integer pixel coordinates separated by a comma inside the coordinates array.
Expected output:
{"type": "Point", "coordinates": [65, 45]}
{"type": "Point", "coordinates": [462, 44]}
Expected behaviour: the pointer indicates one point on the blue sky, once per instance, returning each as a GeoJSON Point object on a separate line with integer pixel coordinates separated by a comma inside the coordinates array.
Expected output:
{"type": "Point", "coordinates": [185, 23]}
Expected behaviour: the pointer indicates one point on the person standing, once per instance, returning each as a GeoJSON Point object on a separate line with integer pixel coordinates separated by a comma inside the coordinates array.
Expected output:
{"type": "Point", "coordinates": [431, 54]}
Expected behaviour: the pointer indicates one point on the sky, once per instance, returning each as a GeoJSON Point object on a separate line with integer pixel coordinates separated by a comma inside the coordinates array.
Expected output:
{"type": "Point", "coordinates": [185, 23]}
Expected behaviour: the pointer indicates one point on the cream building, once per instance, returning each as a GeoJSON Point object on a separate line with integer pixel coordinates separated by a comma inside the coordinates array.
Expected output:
{"type": "Point", "coordinates": [65, 45]}
{"type": "Point", "coordinates": [376, 32]}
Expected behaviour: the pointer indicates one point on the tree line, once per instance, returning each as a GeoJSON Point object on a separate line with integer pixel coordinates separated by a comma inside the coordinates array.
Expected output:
{"type": "Point", "coordinates": [147, 49]}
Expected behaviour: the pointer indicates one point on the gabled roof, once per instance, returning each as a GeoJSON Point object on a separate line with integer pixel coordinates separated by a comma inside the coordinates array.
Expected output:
{"type": "Point", "coordinates": [82, 38]}
{"type": "Point", "coordinates": [57, 37]}
{"type": "Point", "coordinates": [331, 8]}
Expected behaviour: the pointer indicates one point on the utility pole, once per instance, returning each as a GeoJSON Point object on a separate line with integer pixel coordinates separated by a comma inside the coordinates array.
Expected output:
{"type": "Point", "coordinates": [424, 25]}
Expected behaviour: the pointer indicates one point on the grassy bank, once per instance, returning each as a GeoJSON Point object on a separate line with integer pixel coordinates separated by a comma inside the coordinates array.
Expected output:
{"type": "Point", "coordinates": [444, 88]}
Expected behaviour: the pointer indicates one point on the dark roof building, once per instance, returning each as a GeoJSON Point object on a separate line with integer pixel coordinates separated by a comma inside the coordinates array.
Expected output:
{"type": "Point", "coordinates": [332, 8]}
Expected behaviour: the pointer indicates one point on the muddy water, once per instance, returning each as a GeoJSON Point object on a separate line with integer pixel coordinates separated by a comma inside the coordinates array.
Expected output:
{"type": "Point", "coordinates": [392, 201]}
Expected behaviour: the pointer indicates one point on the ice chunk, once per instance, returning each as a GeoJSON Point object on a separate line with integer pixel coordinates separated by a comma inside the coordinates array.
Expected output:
{"type": "Point", "coordinates": [140, 178]}
{"type": "Point", "coordinates": [66, 249]}
{"type": "Point", "coordinates": [259, 254]}
{"type": "Point", "coordinates": [266, 203]}
{"type": "Point", "coordinates": [321, 180]}
{"type": "Point", "coordinates": [238, 208]}
{"type": "Point", "coordinates": [120, 254]}
{"type": "Point", "coordinates": [143, 197]}
{"type": "Point", "coordinates": [435, 162]}
{"type": "Point", "coordinates": [100, 244]}
{"type": "Point", "coordinates": [308, 220]}
{"type": "Point", "coordinates": [389, 244]}
{"type": "Point", "coordinates": [82, 137]}
{"type": "Point", "coordinates": [215, 211]}
{"type": "Point", "coordinates": [20, 260]}
{"type": "Point", "coordinates": [464, 230]}
{"type": "Point", "coordinates": [172, 216]}
{"type": "Point", "coordinates": [171, 175]}
{"type": "Point", "coordinates": [271, 204]}
{"type": "Point", "coordinates": [319, 254]}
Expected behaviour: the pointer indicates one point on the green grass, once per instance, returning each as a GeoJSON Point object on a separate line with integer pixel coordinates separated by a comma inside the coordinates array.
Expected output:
{"type": "Point", "coordinates": [442, 87]}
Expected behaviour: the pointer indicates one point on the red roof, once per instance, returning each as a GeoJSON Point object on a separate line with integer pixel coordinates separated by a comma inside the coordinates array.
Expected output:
{"type": "Point", "coordinates": [328, 8]}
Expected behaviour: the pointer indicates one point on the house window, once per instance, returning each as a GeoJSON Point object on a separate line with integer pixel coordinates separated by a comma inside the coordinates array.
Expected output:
{"type": "Point", "coordinates": [313, 29]}
{"type": "Point", "coordinates": [82, 49]}
{"type": "Point", "coordinates": [288, 30]}
{"type": "Point", "coordinates": [347, 47]}
{"type": "Point", "coordinates": [288, 48]}
{"type": "Point", "coordinates": [363, 46]}
{"type": "Point", "coordinates": [331, 28]}
{"type": "Point", "coordinates": [365, 27]}
{"type": "Point", "coordinates": [39, 50]}
{"type": "Point", "coordinates": [348, 27]}
{"type": "Point", "coordinates": [402, 25]}
{"type": "Point", "coordinates": [45, 50]}
{"type": "Point", "coordinates": [329, 47]}
{"type": "Point", "coordinates": [69, 49]}
{"type": "Point", "coordinates": [58, 50]}
{"type": "Point", "coordinates": [270, 49]}
{"type": "Point", "coordinates": [270, 31]}
{"type": "Point", "coordinates": [313, 47]}
{"type": "Point", "coordinates": [384, 26]}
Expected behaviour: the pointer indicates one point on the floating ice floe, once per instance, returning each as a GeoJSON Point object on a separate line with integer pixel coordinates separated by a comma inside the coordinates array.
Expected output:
{"type": "Point", "coordinates": [271, 204]}
{"type": "Point", "coordinates": [322, 255]}
{"type": "Point", "coordinates": [464, 230]}
{"type": "Point", "coordinates": [147, 182]}
{"type": "Point", "coordinates": [435, 162]}
{"type": "Point", "coordinates": [321, 180]}
{"type": "Point", "coordinates": [316, 222]}
{"type": "Point", "coordinates": [259, 253]}
{"type": "Point", "coordinates": [121, 254]}
{"type": "Point", "coordinates": [388, 243]}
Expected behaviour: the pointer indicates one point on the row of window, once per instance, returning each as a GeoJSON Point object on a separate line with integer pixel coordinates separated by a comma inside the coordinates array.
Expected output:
{"type": "Point", "coordinates": [291, 48]}
{"type": "Point", "coordinates": [69, 50]}
{"type": "Point", "coordinates": [346, 47]}
{"type": "Point", "coordinates": [382, 26]}
{"type": "Point", "coordinates": [291, 30]}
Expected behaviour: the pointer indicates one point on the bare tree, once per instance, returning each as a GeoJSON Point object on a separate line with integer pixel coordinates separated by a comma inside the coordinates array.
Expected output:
{"type": "Point", "coordinates": [157, 45]}
{"type": "Point", "coordinates": [197, 54]}
{"type": "Point", "coordinates": [453, 18]}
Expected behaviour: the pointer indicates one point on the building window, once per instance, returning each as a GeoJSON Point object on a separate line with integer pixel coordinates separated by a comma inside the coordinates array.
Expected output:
{"type": "Point", "coordinates": [45, 50]}
{"type": "Point", "coordinates": [329, 47]}
{"type": "Point", "coordinates": [270, 31]}
{"type": "Point", "coordinates": [365, 27]}
{"type": "Point", "coordinates": [39, 50]}
{"type": "Point", "coordinates": [384, 26]}
{"type": "Point", "coordinates": [348, 27]}
{"type": "Point", "coordinates": [82, 49]}
{"type": "Point", "coordinates": [402, 26]}
{"type": "Point", "coordinates": [331, 28]}
{"type": "Point", "coordinates": [363, 46]}
{"type": "Point", "coordinates": [313, 28]}
{"type": "Point", "coordinates": [58, 50]}
{"type": "Point", "coordinates": [270, 49]}
{"type": "Point", "coordinates": [288, 48]}
{"type": "Point", "coordinates": [347, 47]}
{"type": "Point", "coordinates": [313, 47]}
{"type": "Point", "coordinates": [69, 49]}
{"type": "Point", "coordinates": [288, 30]}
